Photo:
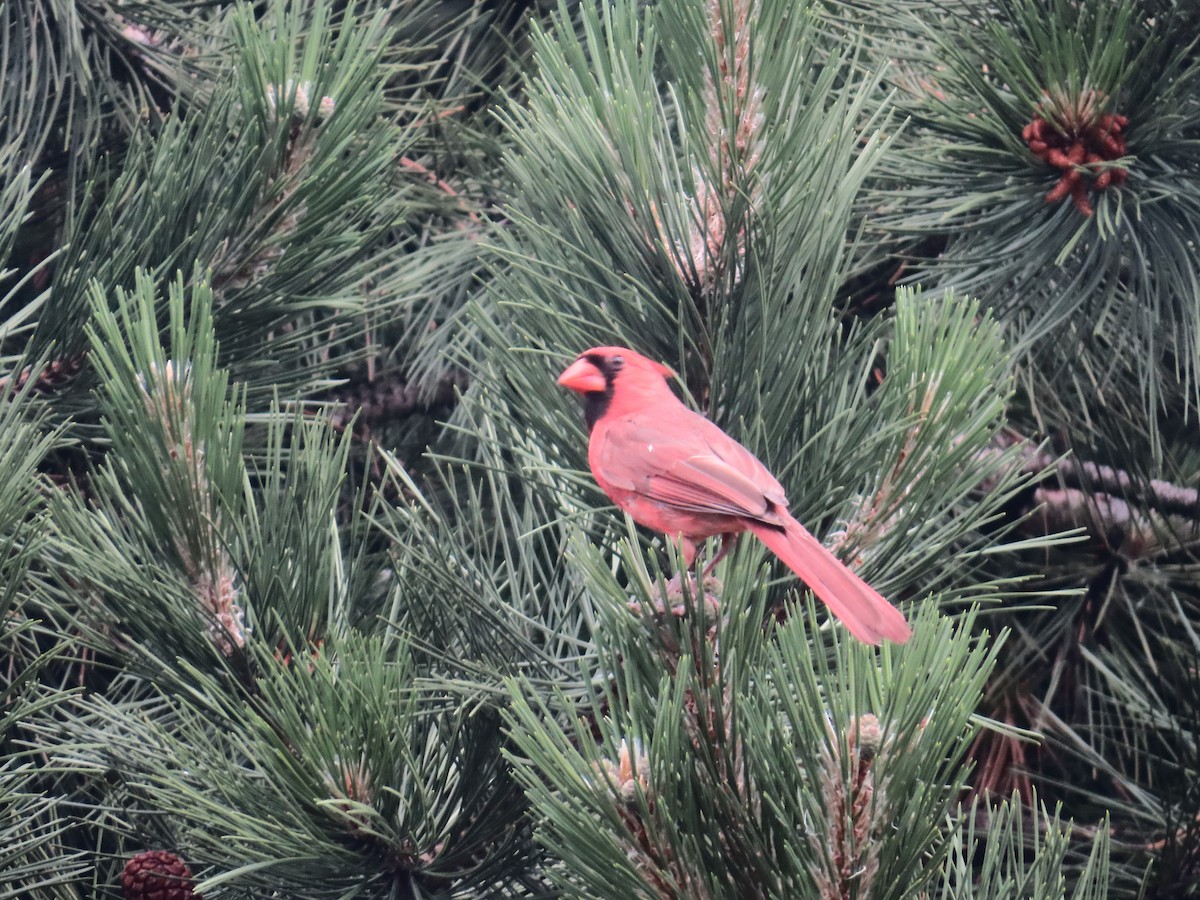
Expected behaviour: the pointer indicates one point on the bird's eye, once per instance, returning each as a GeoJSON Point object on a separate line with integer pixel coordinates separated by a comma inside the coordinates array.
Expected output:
{"type": "Point", "coordinates": [616, 362]}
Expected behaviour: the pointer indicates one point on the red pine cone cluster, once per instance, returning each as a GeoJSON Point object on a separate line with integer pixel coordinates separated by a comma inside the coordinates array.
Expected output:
{"type": "Point", "coordinates": [54, 375]}
{"type": "Point", "coordinates": [1090, 143]}
{"type": "Point", "coordinates": [157, 875]}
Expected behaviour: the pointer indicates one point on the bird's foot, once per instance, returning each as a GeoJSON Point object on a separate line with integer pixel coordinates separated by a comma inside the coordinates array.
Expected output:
{"type": "Point", "coordinates": [674, 588]}
{"type": "Point", "coordinates": [674, 597]}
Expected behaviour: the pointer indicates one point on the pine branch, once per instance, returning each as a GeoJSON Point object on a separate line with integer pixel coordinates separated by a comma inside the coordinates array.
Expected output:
{"type": "Point", "coordinates": [340, 780]}
{"type": "Point", "coordinates": [374, 403]}
{"type": "Point", "coordinates": [1141, 517]}
{"type": "Point", "coordinates": [35, 855]}
{"type": "Point", "coordinates": [1048, 149]}
{"type": "Point", "coordinates": [684, 790]}
{"type": "Point", "coordinates": [1013, 856]}
{"type": "Point", "coordinates": [34, 858]}
{"type": "Point", "coordinates": [281, 181]}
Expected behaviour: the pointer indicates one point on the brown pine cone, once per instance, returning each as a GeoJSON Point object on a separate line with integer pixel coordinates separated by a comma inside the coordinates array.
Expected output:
{"type": "Point", "coordinates": [157, 875]}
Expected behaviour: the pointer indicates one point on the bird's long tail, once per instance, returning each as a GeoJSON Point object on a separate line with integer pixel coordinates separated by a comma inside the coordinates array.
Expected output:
{"type": "Point", "coordinates": [864, 611]}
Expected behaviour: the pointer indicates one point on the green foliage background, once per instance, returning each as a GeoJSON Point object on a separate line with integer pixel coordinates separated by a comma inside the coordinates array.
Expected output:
{"type": "Point", "coordinates": [303, 577]}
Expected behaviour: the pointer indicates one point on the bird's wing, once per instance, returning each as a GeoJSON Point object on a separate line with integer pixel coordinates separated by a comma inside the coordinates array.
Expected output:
{"type": "Point", "coordinates": [689, 463]}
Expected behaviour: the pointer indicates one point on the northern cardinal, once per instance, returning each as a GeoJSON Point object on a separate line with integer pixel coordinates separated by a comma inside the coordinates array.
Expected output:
{"type": "Point", "coordinates": [675, 471]}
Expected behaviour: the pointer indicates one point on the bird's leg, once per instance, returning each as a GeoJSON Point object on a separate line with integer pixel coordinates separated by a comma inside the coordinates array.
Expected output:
{"type": "Point", "coordinates": [728, 542]}
{"type": "Point", "coordinates": [689, 548]}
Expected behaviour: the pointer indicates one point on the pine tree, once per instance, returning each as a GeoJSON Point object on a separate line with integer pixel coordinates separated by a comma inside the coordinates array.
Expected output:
{"type": "Point", "coordinates": [306, 590]}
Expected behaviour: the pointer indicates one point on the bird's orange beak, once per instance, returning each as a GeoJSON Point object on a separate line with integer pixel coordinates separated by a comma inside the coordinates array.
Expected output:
{"type": "Point", "coordinates": [583, 377]}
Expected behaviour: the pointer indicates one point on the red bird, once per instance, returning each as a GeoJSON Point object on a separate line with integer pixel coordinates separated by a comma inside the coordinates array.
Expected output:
{"type": "Point", "coordinates": [675, 471]}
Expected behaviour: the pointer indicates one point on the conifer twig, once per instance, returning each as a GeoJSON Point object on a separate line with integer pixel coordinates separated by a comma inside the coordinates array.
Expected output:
{"type": "Point", "coordinates": [168, 399]}
{"type": "Point", "coordinates": [390, 397]}
{"type": "Point", "coordinates": [1115, 507]}
{"type": "Point", "coordinates": [443, 186]}
{"type": "Point", "coordinates": [733, 152]}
